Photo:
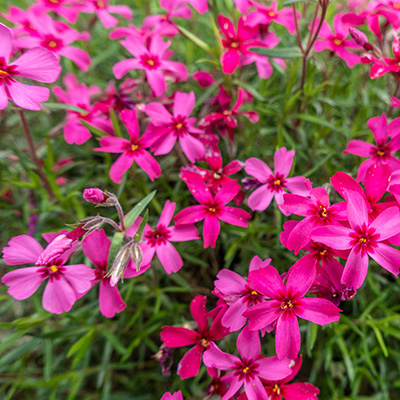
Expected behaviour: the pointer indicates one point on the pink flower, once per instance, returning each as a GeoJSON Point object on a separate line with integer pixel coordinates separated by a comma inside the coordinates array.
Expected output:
{"type": "Point", "coordinates": [56, 37]}
{"type": "Point", "coordinates": [66, 283]}
{"type": "Point", "coordinates": [236, 43]}
{"type": "Point", "coordinates": [175, 396]}
{"type": "Point", "coordinates": [381, 153]}
{"type": "Point", "coordinates": [159, 240]}
{"type": "Point", "coordinates": [266, 14]}
{"type": "Point", "coordinates": [102, 9]}
{"type": "Point", "coordinates": [205, 336]}
{"type": "Point", "coordinates": [273, 184]}
{"type": "Point", "coordinates": [94, 195]}
{"type": "Point", "coordinates": [250, 369]}
{"type": "Point", "coordinates": [336, 42]}
{"type": "Point", "coordinates": [79, 95]}
{"type": "Point", "coordinates": [37, 64]}
{"type": "Point", "coordinates": [165, 129]}
{"type": "Point", "coordinates": [153, 61]}
{"type": "Point", "coordinates": [70, 13]}
{"type": "Point", "coordinates": [287, 304]}
{"type": "Point", "coordinates": [237, 293]}
{"type": "Point", "coordinates": [200, 6]}
{"type": "Point", "coordinates": [278, 389]}
{"type": "Point", "coordinates": [132, 150]}
{"type": "Point", "coordinates": [96, 247]}
{"type": "Point", "coordinates": [363, 239]}
{"type": "Point", "coordinates": [22, 19]}
{"type": "Point", "coordinates": [212, 210]}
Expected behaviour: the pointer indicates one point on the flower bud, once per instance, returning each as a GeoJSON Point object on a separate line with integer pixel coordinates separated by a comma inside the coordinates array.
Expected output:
{"type": "Point", "coordinates": [119, 265]}
{"type": "Point", "coordinates": [93, 195]}
{"type": "Point", "coordinates": [360, 38]}
{"type": "Point", "coordinates": [136, 254]}
{"type": "Point", "coordinates": [250, 183]}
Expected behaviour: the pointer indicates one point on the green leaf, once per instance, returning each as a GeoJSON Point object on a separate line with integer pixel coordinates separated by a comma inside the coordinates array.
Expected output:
{"type": "Point", "coordinates": [115, 123]}
{"type": "Point", "coordinates": [70, 107]}
{"type": "Point", "coordinates": [114, 341]}
{"type": "Point", "coordinates": [93, 129]}
{"type": "Point", "coordinates": [198, 42]}
{"type": "Point", "coordinates": [138, 209]}
{"type": "Point", "coordinates": [142, 225]}
{"type": "Point", "coordinates": [290, 2]}
{"type": "Point", "coordinates": [289, 52]}
{"type": "Point", "coordinates": [115, 246]}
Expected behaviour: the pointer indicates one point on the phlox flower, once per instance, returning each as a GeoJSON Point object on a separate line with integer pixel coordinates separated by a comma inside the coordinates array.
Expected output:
{"type": "Point", "coordinates": [287, 304]}
{"type": "Point", "coordinates": [265, 14]}
{"type": "Point", "coordinates": [236, 43]}
{"type": "Point", "coordinates": [175, 396]}
{"type": "Point", "coordinates": [66, 283]}
{"type": "Point", "coordinates": [363, 239]}
{"type": "Point", "coordinates": [152, 60]}
{"type": "Point", "coordinates": [201, 6]}
{"type": "Point", "coordinates": [102, 9]}
{"type": "Point", "coordinates": [201, 339]}
{"type": "Point", "coordinates": [237, 293]}
{"type": "Point", "coordinates": [337, 41]}
{"type": "Point", "coordinates": [385, 65]}
{"type": "Point", "coordinates": [132, 150]}
{"type": "Point", "coordinates": [37, 64]}
{"type": "Point", "coordinates": [212, 209]}
{"type": "Point", "coordinates": [166, 129]}
{"type": "Point", "coordinates": [79, 95]}
{"type": "Point", "coordinates": [381, 153]}
{"type": "Point", "coordinates": [158, 240]}
{"type": "Point", "coordinates": [273, 184]}
{"type": "Point", "coordinates": [250, 370]}
{"type": "Point", "coordinates": [96, 247]}
{"type": "Point", "coordinates": [56, 36]}
{"type": "Point", "coordinates": [65, 8]}
{"type": "Point", "coordinates": [22, 20]}
{"type": "Point", "coordinates": [242, 5]}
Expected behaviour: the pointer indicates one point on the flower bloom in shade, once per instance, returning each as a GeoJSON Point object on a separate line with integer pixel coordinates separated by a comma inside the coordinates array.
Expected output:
{"type": "Point", "coordinates": [237, 293]}
{"type": "Point", "coordinates": [336, 41]}
{"type": "Point", "coordinates": [102, 9]}
{"type": "Point", "coordinates": [37, 64]}
{"type": "Point", "coordinates": [250, 369]}
{"type": "Point", "coordinates": [264, 15]}
{"type": "Point", "coordinates": [287, 304]}
{"type": "Point", "coordinates": [66, 283]}
{"type": "Point", "coordinates": [229, 116]}
{"type": "Point", "coordinates": [165, 129]}
{"type": "Point", "coordinates": [381, 153]}
{"type": "Point", "coordinates": [96, 247]}
{"type": "Point", "coordinates": [235, 43]}
{"type": "Point", "coordinates": [153, 61]}
{"type": "Point", "coordinates": [279, 389]}
{"type": "Point", "coordinates": [65, 8]}
{"type": "Point", "coordinates": [363, 239]}
{"type": "Point", "coordinates": [317, 212]}
{"type": "Point", "coordinates": [202, 338]}
{"type": "Point", "coordinates": [273, 184]}
{"type": "Point", "coordinates": [132, 150]}
{"type": "Point", "coordinates": [159, 240]}
{"type": "Point", "coordinates": [175, 396]}
{"type": "Point", "coordinates": [79, 96]}
{"type": "Point", "coordinates": [212, 209]}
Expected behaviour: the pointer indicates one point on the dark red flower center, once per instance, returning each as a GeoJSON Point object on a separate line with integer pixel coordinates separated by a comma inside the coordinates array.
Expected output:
{"type": "Point", "coordinates": [251, 296]}
{"type": "Point", "coordinates": [158, 236]}
{"type": "Point", "coordinates": [337, 40]}
{"type": "Point", "coordinates": [276, 182]}
{"type": "Point", "coordinates": [246, 369]}
{"type": "Point", "coordinates": [381, 152]}
{"type": "Point", "coordinates": [150, 61]}
{"type": "Point", "coordinates": [179, 125]}
{"type": "Point", "coordinates": [54, 271]}
{"type": "Point", "coordinates": [134, 147]}
{"type": "Point", "coordinates": [6, 72]}
{"type": "Point", "coordinates": [52, 43]}
{"type": "Point", "coordinates": [364, 239]}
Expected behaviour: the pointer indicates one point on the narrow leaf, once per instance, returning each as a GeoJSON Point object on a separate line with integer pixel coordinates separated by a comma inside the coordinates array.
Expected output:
{"type": "Point", "coordinates": [137, 210]}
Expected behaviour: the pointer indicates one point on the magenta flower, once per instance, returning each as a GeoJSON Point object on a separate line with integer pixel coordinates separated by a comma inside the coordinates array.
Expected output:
{"type": "Point", "coordinates": [250, 369]}
{"type": "Point", "coordinates": [236, 292]}
{"type": "Point", "coordinates": [132, 150]}
{"type": "Point", "coordinates": [56, 37]}
{"type": "Point", "coordinates": [205, 336]}
{"type": "Point", "coordinates": [317, 212]}
{"type": "Point", "coordinates": [278, 389]}
{"type": "Point", "coordinates": [212, 210]}
{"type": "Point", "coordinates": [267, 14]}
{"type": "Point", "coordinates": [175, 396]}
{"type": "Point", "coordinates": [79, 95]}
{"type": "Point", "coordinates": [96, 247]}
{"type": "Point", "coordinates": [363, 239]}
{"type": "Point", "coordinates": [381, 153]}
{"type": "Point", "coordinates": [336, 41]}
{"type": "Point", "coordinates": [159, 240]}
{"type": "Point", "coordinates": [273, 184]}
{"type": "Point", "coordinates": [102, 9]}
{"type": "Point", "coordinates": [236, 43]}
{"type": "Point", "coordinates": [153, 61]}
{"type": "Point", "coordinates": [287, 304]}
{"type": "Point", "coordinates": [200, 6]}
{"type": "Point", "coordinates": [66, 283]}
{"type": "Point", "coordinates": [165, 129]}
{"type": "Point", "coordinates": [93, 195]}
{"type": "Point", "coordinates": [22, 20]}
{"type": "Point", "coordinates": [65, 8]}
{"type": "Point", "coordinates": [382, 67]}
{"type": "Point", "coordinates": [37, 64]}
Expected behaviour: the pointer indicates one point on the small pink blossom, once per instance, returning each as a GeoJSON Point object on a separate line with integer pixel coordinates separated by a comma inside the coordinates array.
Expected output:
{"type": "Point", "coordinates": [175, 396]}
{"type": "Point", "coordinates": [65, 8]}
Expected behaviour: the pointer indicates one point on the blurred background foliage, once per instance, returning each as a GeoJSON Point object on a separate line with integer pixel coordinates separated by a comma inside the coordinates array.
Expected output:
{"type": "Point", "coordinates": [82, 355]}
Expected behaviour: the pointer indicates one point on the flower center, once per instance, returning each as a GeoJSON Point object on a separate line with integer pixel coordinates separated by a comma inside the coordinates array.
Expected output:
{"type": "Point", "coordinates": [380, 153]}
{"type": "Point", "coordinates": [235, 45]}
{"type": "Point", "coordinates": [287, 304]}
{"type": "Point", "coordinates": [3, 73]}
{"type": "Point", "coordinates": [204, 342]}
{"type": "Point", "coordinates": [323, 212]}
{"type": "Point", "coordinates": [226, 112]}
{"type": "Point", "coordinates": [179, 126]}
{"type": "Point", "coordinates": [212, 209]}
{"type": "Point", "coordinates": [150, 61]}
{"type": "Point", "coordinates": [277, 182]}
{"type": "Point", "coordinates": [84, 114]}
{"type": "Point", "coordinates": [338, 42]}
{"type": "Point", "coordinates": [52, 44]}
{"type": "Point", "coordinates": [271, 14]}
{"type": "Point", "coordinates": [396, 6]}
{"type": "Point", "coordinates": [323, 252]}
{"type": "Point", "coordinates": [54, 1]}
{"type": "Point", "coordinates": [276, 389]}
{"type": "Point", "coordinates": [363, 240]}
{"type": "Point", "coordinates": [254, 293]}
{"type": "Point", "coordinates": [101, 4]}
{"type": "Point", "coordinates": [54, 268]}
{"type": "Point", "coordinates": [246, 369]}
{"type": "Point", "coordinates": [216, 175]}
{"type": "Point", "coordinates": [134, 147]}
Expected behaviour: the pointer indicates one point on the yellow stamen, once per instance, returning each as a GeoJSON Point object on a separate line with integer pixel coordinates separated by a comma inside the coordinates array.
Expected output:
{"type": "Point", "coordinates": [54, 268]}
{"type": "Point", "coordinates": [150, 62]}
{"type": "Point", "coordinates": [363, 240]}
{"type": "Point", "coordinates": [381, 153]}
{"type": "Point", "coordinates": [204, 342]}
{"type": "Point", "coordinates": [323, 252]}
{"type": "Point", "coordinates": [271, 14]}
{"type": "Point", "coordinates": [84, 114]}
{"type": "Point", "coordinates": [54, 1]}
{"type": "Point", "coordinates": [338, 42]}
{"type": "Point", "coordinates": [226, 112]}
{"type": "Point", "coordinates": [288, 304]}
{"type": "Point", "coordinates": [234, 45]}
{"type": "Point", "coordinates": [276, 389]}
{"type": "Point", "coordinates": [100, 4]}
{"type": "Point", "coordinates": [52, 44]}
{"type": "Point", "coordinates": [134, 147]}
{"type": "Point", "coordinates": [246, 369]}
{"type": "Point", "coordinates": [3, 73]}
{"type": "Point", "coordinates": [396, 6]}
{"type": "Point", "coordinates": [254, 293]}
{"type": "Point", "coordinates": [277, 182]}
{"type": "Point", "coordinates": [324, 213]}
{"type": "Point", "coordinates": [212, 209]}
{"type": "Point", "coordinates": [179, 126]}
{"type": "Point", "coordinates": [216, 175]}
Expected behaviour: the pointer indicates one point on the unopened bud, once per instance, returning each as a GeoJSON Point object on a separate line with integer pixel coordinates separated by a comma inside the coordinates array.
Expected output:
{"type": "Point", "coordinates": [94, 195]}
{"type": "Point", "coordinates": [54, 250]}
{"type": "Point", "coordinates": [250, 183]}
{"type": "Point", "coordinates": [360, 38]}
{"type": "Point", "coordinates": [119, 265]}
{"type": "Point", "coordinates": [136, 255]}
